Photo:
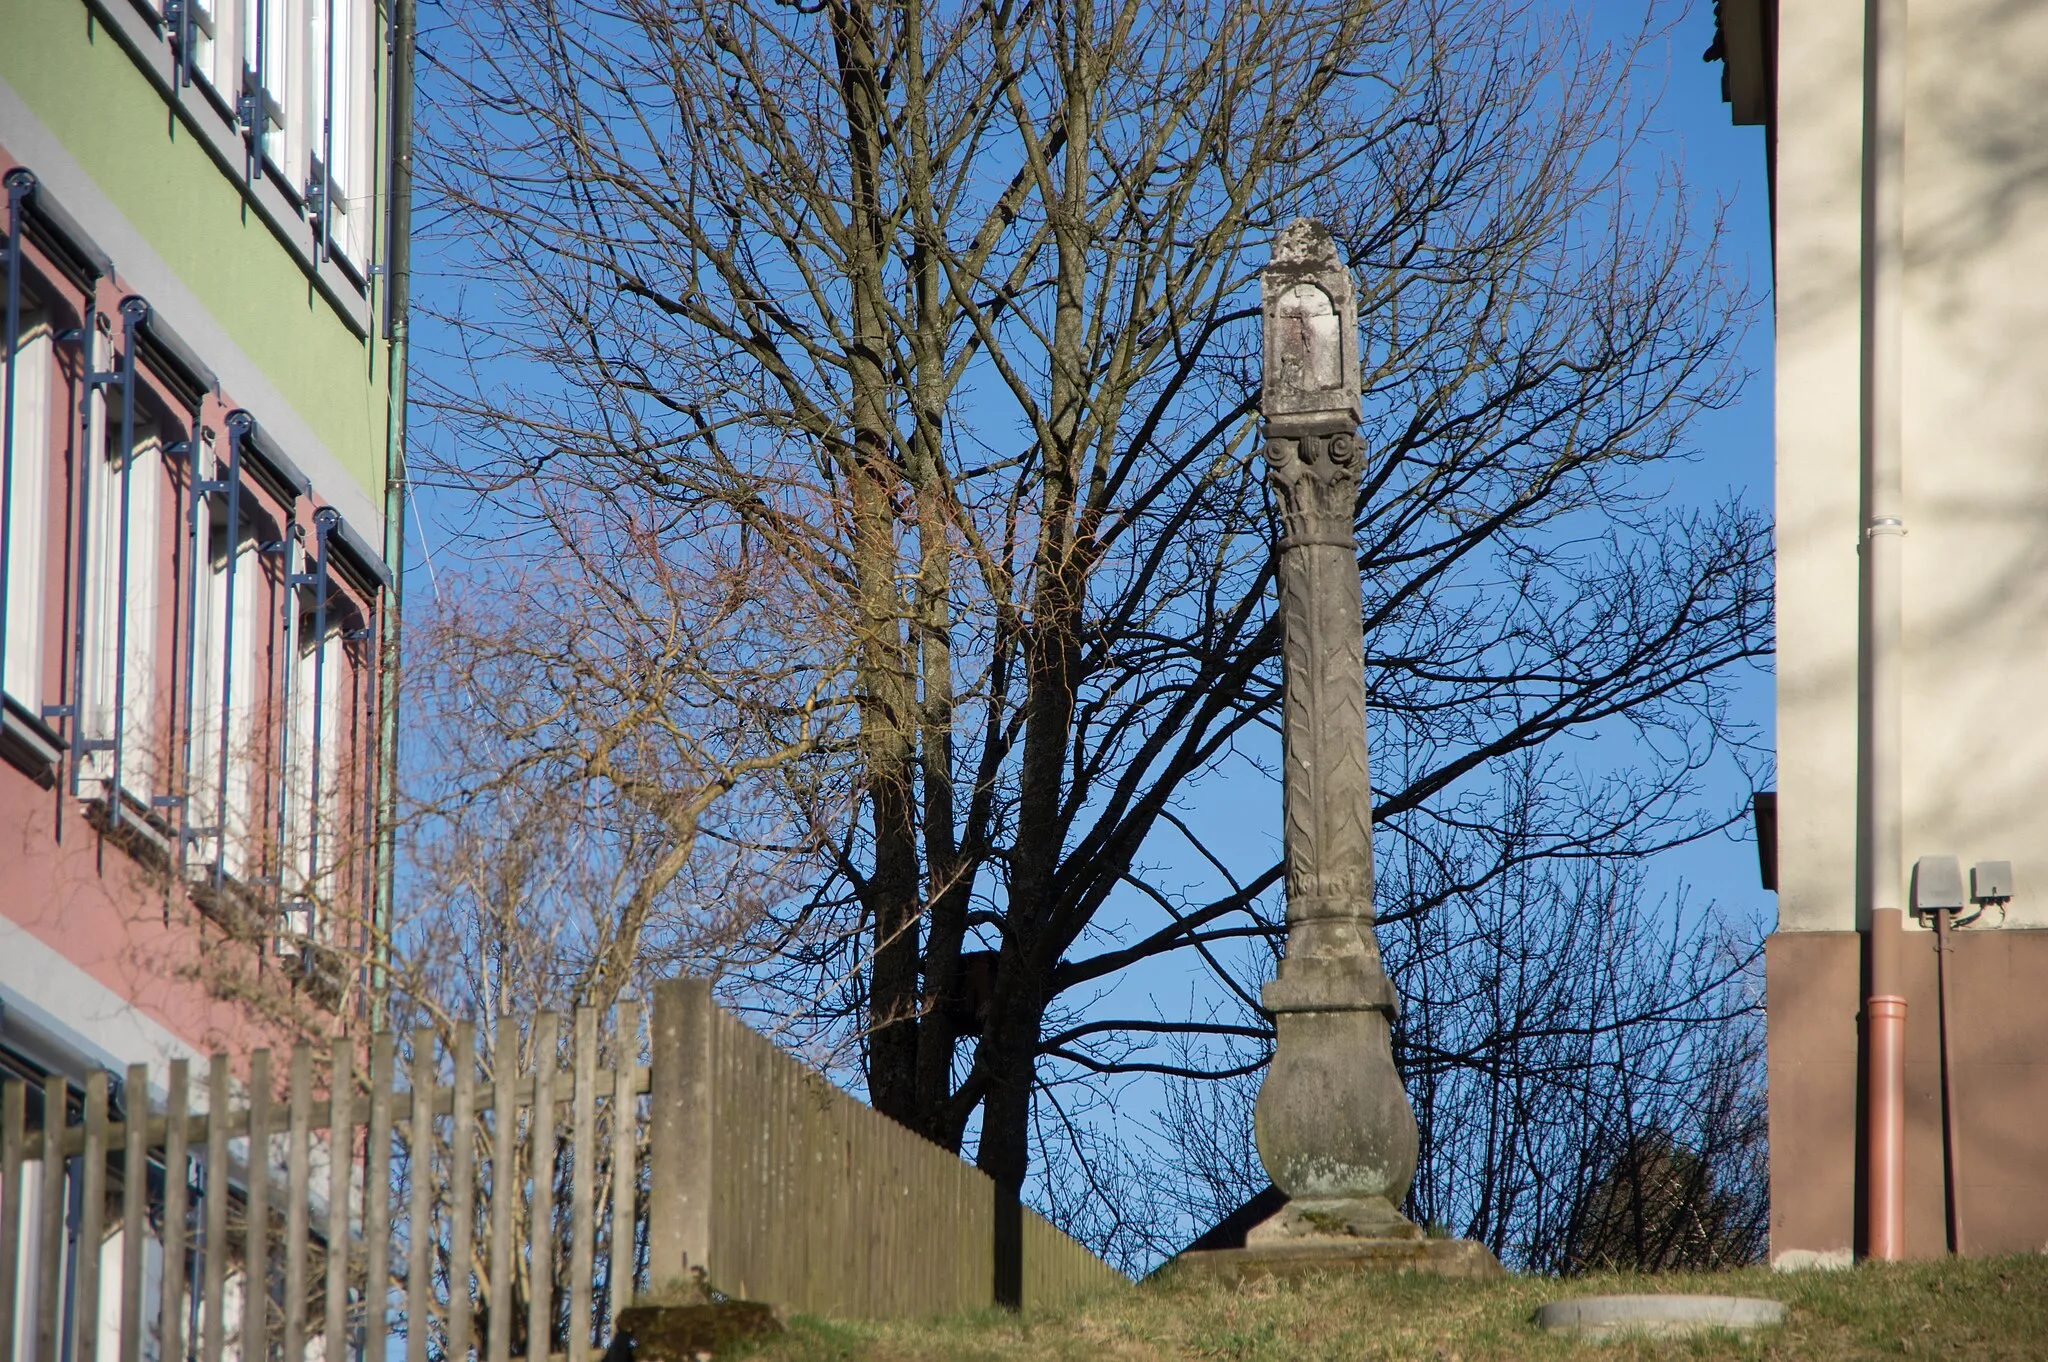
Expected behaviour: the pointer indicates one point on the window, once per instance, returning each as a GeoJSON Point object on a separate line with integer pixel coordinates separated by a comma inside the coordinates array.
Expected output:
{"type": "Point", "coordinates": [124, 498]}
{"type": "Point", "coordinates": [339, 130]}
{"type": "Point", "coordinates": [270, 61]}
{"type": "Point", "coordinates": [226, 634]}
{"type": "Point", "coordinates": [312, 842]}
{"type": "Point", "coordinates": [25, 569]}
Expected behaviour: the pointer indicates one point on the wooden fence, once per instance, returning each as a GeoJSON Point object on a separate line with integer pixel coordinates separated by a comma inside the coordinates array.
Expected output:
{"type": "Point", "coordinates": [786, 1189]}
{"type": "Point", "coordinates": [481, 1208]}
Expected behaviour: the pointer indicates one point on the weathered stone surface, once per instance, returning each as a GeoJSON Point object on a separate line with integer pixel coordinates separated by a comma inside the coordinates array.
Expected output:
{"type": "Point", "coordinates": [685, 1333]}
{"type": "Point", "coordinates": [1436, 1257]}
{"type": "Point", "coordinates": [1333, 1119]}
{"type": "Point", "coordinates": [1320, 1221]}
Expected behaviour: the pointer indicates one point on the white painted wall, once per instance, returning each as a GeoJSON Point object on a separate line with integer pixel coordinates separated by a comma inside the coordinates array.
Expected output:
{"type": "Point", "coordinates": [1976, 437]}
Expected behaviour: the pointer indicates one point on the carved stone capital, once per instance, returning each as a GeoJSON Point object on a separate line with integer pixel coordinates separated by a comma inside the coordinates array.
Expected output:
{"type": "Point", "coordinates": [1314, 474]}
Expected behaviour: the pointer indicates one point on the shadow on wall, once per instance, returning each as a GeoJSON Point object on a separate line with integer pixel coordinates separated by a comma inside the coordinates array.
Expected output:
{"type": "Point", "coordinates": [1976, 414]}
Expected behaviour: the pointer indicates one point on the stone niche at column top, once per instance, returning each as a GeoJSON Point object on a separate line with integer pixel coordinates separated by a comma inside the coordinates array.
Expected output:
{"type": "Point", "coordinates": [1311, 330]}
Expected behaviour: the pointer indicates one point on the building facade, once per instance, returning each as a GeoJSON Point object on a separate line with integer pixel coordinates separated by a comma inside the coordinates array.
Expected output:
{"type": "Point", "coordinates": [1968, 390]}
{"type": "Point", "coordinates": [203, 403]}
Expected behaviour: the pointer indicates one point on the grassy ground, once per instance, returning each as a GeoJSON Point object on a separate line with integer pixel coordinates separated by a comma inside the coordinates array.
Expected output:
{"type": "Point", "coordinates": [1996, 1308]}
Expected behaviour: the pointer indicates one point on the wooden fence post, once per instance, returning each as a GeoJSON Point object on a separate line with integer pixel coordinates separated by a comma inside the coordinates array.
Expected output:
{"type": "Point", "coordinates": [679, 1133]}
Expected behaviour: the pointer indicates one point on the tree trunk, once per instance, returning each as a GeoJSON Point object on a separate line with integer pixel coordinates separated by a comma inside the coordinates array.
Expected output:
{"type": "Point", "coordinates": [887, 744]}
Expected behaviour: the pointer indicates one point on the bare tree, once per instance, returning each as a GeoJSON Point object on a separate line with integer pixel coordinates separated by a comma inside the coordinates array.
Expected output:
{"type": "Point", "coordinates": [952, 307]}
{"type": "Point", "coordinates": [1585, 1065]}
{"type": "Point", "coordinates": [596, 718]}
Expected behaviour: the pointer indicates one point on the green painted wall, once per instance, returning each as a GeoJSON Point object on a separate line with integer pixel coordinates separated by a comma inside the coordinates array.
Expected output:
{"type": "Point", "coordinates": [88, 91]}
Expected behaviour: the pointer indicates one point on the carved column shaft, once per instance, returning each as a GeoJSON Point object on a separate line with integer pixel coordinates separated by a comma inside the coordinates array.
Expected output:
{"type": "Point", "coordinates": [1332, 956]}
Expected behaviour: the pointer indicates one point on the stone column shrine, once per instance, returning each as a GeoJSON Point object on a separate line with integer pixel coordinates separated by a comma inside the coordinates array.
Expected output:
{"type": "Point", "coordinates": [1334, 1127]}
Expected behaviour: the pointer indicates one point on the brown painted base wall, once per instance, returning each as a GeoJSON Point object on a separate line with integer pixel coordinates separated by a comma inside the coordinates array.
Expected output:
{"type": "Point", "coordinates": [1998, 1034]}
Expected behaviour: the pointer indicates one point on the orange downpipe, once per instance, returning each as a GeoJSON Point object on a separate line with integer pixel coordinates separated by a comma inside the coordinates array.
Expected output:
{"type": "Point", "coordinates": [1885, 1092]}
{"type": "Point", "coordinates": [1881, 641]}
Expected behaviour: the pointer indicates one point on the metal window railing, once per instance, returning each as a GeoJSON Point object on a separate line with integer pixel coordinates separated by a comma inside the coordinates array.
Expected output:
{"type": "Point", "coordinates": [257, 106]}
{"type": "Point", "coordinates": [179, 23]}
{"type": "Point", "coordinates": [320, 190]}
{"type": "Point", "coordinates": [228, 486]}
{"type": "Point", "coordinates": [108, 378]}
{"type": "Point", "coordinates": [324, 522]}
{"type": "Point", "coordinates": [93, 379]}
{"type": "Point", "coordinates": [134, 316]}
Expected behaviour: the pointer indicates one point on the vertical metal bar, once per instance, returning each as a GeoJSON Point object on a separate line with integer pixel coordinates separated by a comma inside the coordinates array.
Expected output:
{"type": "Point", "coordinates": [625, 1176]}
{"type": "Point", "coordinates": [1951, 1141]}
{"type": "Point", "coordinates": [296, 1154]}
{"type": "Point", "coordinates": [13, 1120]}
{"type": "Point", "coordinates": [196, 565]}
{"type": "Point", "coordinates": [134, 316]}
{"type": "Point", "coordinates": [177, 1182]}
{"type": "Point", "coordinates": [20, 184]}
{"type": "Point", "coordinates": [92, 1219]}
{"type": "Point", "coordinates": [89, 367]}
{"type": "Point", "coordinates": [377, 1202]}
{"type": "Point", "coordinates": [341, 1149]}
{"type": "Point", "coordinates": [583, 1167]}
{"type": "Point", "coordinates": [540, 1295]}
{"type": "Point", "coordinates": [287, 679]}
{"type": "Point", "coordinates": [254, 88]}
{"type": "Point", "coordinates": [390, 615]}
{"type": "Point", "coordinates": [239, 424]}
{"type": "Point", "coordinates": [134, 1205]}
{"type": "Point", "coordinates": [256, 1235]}
{"type": "Point", "coordinates": [213, 1333]}
{"type": "Point", "coordinates": [462, 1193]}
{"type": "Point", "coordinates": [504, 1182]}
{"type": "Point", "coordinates": [178, 716]}
{"type": "Point", "coordinates": [327, 141]}
{"type": "Point", "coordinates": [419, 1220]}
{"type": "Point", "coordinates": [324, 521]}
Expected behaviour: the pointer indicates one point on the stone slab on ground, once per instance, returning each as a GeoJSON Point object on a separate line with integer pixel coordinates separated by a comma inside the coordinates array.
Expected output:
{"type": "Point", "coordinates": [1658, 1316]}
{"type": "Point", "coordinates": [1431, 1257]}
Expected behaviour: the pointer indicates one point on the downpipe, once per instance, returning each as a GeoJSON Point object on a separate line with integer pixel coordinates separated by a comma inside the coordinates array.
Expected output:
{"type": "Point", "coordinates": [1885, 1050]}
{"type": "Point", "coordinates": [1881, 830]}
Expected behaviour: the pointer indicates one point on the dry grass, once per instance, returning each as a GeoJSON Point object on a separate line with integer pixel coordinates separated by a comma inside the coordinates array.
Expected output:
{"type": "Point", "coordinates": [1994, 1308]}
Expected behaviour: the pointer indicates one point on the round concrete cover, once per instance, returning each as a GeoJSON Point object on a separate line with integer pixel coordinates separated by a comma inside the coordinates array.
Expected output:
{"type": "Point", "coordinates": [1658, 1316]}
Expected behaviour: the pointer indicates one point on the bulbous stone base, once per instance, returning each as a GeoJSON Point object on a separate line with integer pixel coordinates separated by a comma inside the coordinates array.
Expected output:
{"type": "Point", "coordinates": [1333, 1121]}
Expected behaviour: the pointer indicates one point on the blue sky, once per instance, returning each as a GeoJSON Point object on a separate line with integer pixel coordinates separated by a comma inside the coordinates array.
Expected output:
{"type": "Point", "coordinates": [1722, 165]}
{"type": "Point", "coordinates": [1726, 164]}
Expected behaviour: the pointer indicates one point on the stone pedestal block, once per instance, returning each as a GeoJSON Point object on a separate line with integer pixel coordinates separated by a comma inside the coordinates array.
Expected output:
{"type": "Point", "coordinates": [1436, 1257]}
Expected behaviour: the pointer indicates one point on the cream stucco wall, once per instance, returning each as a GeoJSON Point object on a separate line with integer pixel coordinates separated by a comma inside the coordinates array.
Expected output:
{"type": "Point", "coordinates": [1976, 445]}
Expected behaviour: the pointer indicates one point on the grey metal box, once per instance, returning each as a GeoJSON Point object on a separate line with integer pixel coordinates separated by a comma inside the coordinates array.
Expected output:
{"type": "Point", "coordinates": [1937, 883]}
{"type": "Point", "coordinates": [1991, 881]}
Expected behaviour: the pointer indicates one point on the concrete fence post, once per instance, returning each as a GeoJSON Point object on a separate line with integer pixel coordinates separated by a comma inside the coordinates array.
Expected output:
{"type": "Point", "coordinates": [679, 1156]}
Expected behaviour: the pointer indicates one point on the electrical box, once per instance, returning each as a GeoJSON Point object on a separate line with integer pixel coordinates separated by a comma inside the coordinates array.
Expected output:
{"type": "Point", "coordinates": [1991, 881]}
{"type": "Point", "coordinates": [1937, 883]}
